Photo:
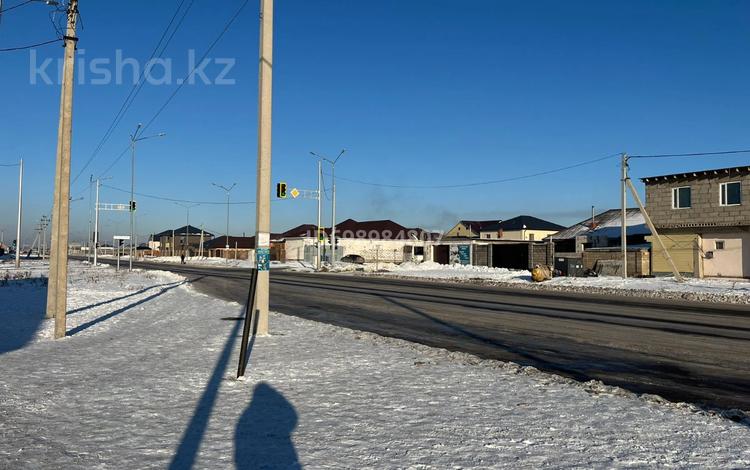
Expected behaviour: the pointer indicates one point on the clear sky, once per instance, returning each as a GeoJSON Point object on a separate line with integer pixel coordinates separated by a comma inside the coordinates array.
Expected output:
{"type": "Point", "coordinates": [421, 92]}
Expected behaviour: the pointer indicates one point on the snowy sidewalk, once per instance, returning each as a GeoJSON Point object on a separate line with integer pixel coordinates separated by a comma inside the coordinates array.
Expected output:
{"type": "Point", "coordinates": [146, 381]}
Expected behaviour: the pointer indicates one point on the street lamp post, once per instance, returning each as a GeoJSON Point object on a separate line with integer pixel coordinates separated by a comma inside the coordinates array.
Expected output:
{"type": "Point", "coordinates": [134, 138]}
{"type": "Point", "coordinates": [333, 200]}
{"type": "Point", "coordinates": [226, 235]}
{"type": "Point", "coordinates": [186, 244]}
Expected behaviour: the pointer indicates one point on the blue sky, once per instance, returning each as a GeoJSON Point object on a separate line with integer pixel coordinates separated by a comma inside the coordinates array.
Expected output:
{"type": "Point", "coordinates": [421, 93]}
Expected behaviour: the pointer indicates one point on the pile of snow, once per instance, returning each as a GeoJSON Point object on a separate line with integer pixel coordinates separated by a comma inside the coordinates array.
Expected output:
{"type": "Point", "coordinates": [722, 290]}
{"type": "Point", "coordinates": [204, 261]}
{"type": "Point", "coordinates": [298, 266]}
{"type": "Point", "coordinates": [146, 379]}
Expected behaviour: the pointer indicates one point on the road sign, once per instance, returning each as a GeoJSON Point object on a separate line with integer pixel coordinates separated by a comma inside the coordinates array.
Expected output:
{"type": "Point", "coordinates": [121, 237]}
{"type": "Point", "coordinates": [295, 193]}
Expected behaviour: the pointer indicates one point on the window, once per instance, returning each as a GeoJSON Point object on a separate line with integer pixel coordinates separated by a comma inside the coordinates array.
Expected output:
{"type": "Point", "coordinates": [531, 236]}
{"type": "Point", "coordinates": [719, 244]}
{"type": "Point", "coordinates": [681, 198]}
{"type": "Point", "coordinates": [731, 194]}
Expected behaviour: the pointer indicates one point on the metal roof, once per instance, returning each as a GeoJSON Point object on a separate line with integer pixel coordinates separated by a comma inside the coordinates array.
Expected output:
{"type": "Point", "coordinates": [604, 221]}
{"type": "Point", "coordinates": [697, 174]}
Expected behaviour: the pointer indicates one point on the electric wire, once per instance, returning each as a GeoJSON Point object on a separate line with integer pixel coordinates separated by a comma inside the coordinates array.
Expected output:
{"type": "Point", "coordinates": [5, 10]}
{"type": "Point", "coordinates": [198, 62]}
{"type": "Point", "coordinates": [482, 183]}
{"type": "Point", "coordinates": [30, 46]}
{"type": "Point", "coordinates": [159, 49]}
{"type": "Point", "coordinates": [169, 199]}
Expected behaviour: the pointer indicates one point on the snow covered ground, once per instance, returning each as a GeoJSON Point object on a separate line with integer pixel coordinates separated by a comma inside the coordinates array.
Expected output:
{"type": "Point", "coordinates": [723, 290]}
{"type": "Point", "coordinates": [145, 380]}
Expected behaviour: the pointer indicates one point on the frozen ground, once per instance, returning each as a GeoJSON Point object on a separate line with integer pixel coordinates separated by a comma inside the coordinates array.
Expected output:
{"type": "Point", "coordinates": [145, 380]}
{"type": "Point", "coordinates": [735, 291]}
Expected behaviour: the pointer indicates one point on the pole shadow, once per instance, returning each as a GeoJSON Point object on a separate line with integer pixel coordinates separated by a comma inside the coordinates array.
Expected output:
{"type": "Point", "coordinates": [187, 451]}
{"type": "Point", "coordinates": [109, 315]}
{"type": "Point", "coordinates": [21, 315]}
{"type": "Point", "coordinates": [116, 299]}
{"type": "Point", "coordinates": [263, 437]}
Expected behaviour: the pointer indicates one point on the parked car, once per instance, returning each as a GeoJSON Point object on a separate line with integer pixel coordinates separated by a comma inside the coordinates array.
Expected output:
{"type": "Point", "coordinates": [356, 259]}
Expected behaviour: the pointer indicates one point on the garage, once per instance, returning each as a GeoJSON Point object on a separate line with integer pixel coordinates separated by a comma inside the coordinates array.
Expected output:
{"type": "Point", "coordinates": [510, 255]}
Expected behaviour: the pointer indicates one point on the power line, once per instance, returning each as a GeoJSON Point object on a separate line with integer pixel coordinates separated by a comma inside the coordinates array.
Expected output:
{"type": "Point", "coordinates": [699, 154]}
{"type": "Point", "coordinates": [16, 6]}
{"type": "Point", "coordinates": [169, 199]}
{"type": "Point", "coordinates": [30, 46]}
{"type": "Point", "coordinates": [198, 62]}
{"type": "Point", "coordinates": [9, 164]}
{"type": "Point", "coordinates": [482, 183]}
{"type": "Point", "coordinates": [161, 46]}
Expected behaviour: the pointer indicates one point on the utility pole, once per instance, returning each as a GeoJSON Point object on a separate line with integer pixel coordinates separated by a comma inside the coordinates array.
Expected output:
{"type": "Point", "coordinates": [624, 216]}
{"type": "Point", "coordinates": [200, 247]}
{"type": "Point", "coordinates": [96, 222]}
{"type": "Point", "coordinates": [20, 211]}
{"type": "Point", "coordinates": [333, 200]}
{"type": "Point", "coordinates": [226, 234]}
{"type": "Point", "coordinates": [57, 294]}
{"type": "Point", "coordinates": [91, 186]}
{"type": "Point", "coordinates": [263, 185]}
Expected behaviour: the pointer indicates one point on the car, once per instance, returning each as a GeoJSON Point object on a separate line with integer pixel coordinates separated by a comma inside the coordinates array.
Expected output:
{"type": "Point", "coordinates": [356, 259]}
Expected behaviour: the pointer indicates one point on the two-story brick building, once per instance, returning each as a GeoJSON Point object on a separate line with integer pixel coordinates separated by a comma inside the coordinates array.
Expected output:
{"type": "Point", "coordinates": [704, 220]}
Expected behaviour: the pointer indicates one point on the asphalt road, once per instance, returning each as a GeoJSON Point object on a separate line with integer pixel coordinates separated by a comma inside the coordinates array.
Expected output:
{"type": "Point", "coordinates": [682, 351]}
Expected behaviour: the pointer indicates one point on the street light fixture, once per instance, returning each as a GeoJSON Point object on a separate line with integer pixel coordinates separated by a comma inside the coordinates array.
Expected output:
{"type": "Point", "coordinates": [333, 202]}
{"type": "Point", "coordinates": [226, 235]}
{"type": "Point", "coordinates": [134, 138]}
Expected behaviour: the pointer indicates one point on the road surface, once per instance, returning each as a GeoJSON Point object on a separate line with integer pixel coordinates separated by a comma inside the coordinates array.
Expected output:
{"type": "Point", "coordinates": [682, 351]}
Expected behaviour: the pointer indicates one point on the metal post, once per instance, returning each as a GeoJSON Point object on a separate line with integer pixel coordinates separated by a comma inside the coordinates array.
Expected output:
{"type": "Point", "coordinates": [200, 247]}
{"type": "Point", "coordinates": [20, 211]}
{"type": "Point", "coordinates": [226, 241]}
{"type": "Point", "coordinates": [88, 239]}
{"type": "Point", "coordinates": [173, 243]}
{"type": "Point", "coordinates": [320, 190]}
{"type": "Point", "coordinates": [57, 293]}
{"type": "Point", "coordinates": [333, 214]}
{"type": "Point", "coordinates": [624, 216]}
{"type": "Point", "coordinates": [96, 222]}
{"type": "Point", "coordinates": [263, 176]}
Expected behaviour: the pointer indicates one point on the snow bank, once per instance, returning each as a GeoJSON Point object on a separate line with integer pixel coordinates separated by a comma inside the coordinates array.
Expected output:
{"type": "Point", "coordinates": [712, 290]}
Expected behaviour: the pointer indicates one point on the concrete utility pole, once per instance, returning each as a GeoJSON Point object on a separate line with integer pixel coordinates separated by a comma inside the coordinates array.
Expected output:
{"type": "Point", "coordinates": [20, 211]}
{"type": "Point", "coordinates": [333, 200]}
{"type": "Point", "coordinates": [226, 234]}
{"type": "Point", "coordinates": [57, 293]}
{"type": "Point", "coordinates": [624, 216]}
{"type": "Point", "coordinates": [263, 195]}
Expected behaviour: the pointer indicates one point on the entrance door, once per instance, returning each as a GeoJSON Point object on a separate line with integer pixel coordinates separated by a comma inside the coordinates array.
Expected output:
{"type": "Point", "coordinates": [442, 254]}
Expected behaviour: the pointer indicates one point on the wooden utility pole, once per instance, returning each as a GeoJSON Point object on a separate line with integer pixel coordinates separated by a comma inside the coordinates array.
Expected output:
{"type": "Point", "coordinates": [57, 293]}
{"type": "Point", "coordinates": [263, 198]}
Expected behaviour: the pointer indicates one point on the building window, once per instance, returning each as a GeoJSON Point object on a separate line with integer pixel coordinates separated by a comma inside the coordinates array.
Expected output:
{"type": "Point", "coordinates": [531, 236]}
{"type": "Point", "coordinates": [719, 244]}
{"type": "Point", "coordinates": [731, 193]}
{"type": "Point", "coordinates": [681, 198]}
{"type": "Point", "coordinates": [487, 235]}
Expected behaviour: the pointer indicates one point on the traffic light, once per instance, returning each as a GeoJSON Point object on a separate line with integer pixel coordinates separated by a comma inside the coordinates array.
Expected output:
{"type": "Point", "coordinates": [132, 206]}
{"type": "Point", "coordinates": [281, 190]}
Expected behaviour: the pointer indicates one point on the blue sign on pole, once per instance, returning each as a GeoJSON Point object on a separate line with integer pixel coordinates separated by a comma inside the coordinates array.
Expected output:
{"type": "Point", "coordinates": [263, 259]}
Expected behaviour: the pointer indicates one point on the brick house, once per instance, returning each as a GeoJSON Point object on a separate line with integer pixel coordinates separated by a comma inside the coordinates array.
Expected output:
{"type": "Point", "coordinates": [704, 220]}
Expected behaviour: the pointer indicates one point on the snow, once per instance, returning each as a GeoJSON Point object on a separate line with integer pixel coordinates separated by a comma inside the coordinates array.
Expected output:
{"type": "Point", "coordinates": [726, 290]}
{"type": "Point", "coordinates": [204, 261]}
{"type": "Point", "coordinates": [147, 379]}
